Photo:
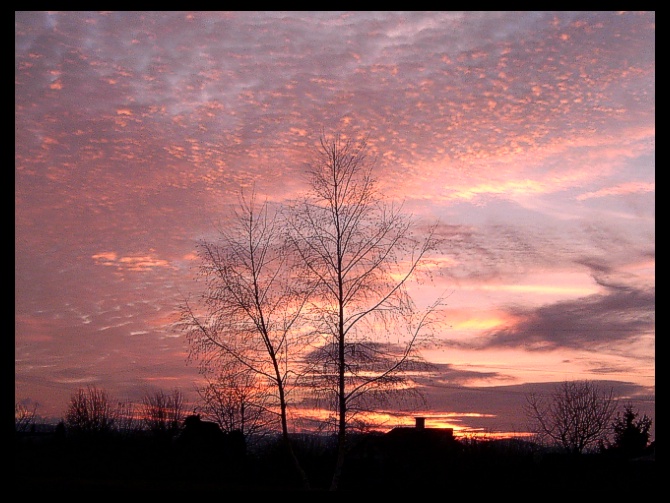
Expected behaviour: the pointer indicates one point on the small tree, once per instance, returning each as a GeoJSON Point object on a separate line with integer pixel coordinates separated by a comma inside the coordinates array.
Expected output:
{"type": "Point", "coordinates": [235, 402]}
{"type": "Point", "coordinates": [126, 421]}
{"type": "Point", "coordinates": [162, 412]}
{"type": "Point", "coordinates": [249, 313]}
{"type": "Point", "coordinates": [90, 412]}
{"type": "Point", "coordinates": [631, 435]}
{"type": "Point", "coordinates": [24, 417]}
{"type": "Point", "coordinates": [576, 417]}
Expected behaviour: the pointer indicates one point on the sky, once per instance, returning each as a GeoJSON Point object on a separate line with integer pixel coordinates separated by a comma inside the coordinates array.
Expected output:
{"type": "Point", "coordinates": [529, 136]}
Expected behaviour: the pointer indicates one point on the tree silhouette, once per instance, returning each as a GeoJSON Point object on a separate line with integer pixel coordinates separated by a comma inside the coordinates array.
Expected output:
{"type": "Point", "coordinates": [24, 417]}
{"type": "Point", "coordinates": [360, 252]}
{"type": "Point", "coordinates": [162, 413]}
{"type": "Point", "coordinates": [248, 317]}
{"type": "Point", "coordinates": [233, 399]}
{"type": "Point", "coordinates": [631, 434]}
{"type": "Point", "coordinates": [90, 412]}
{"type": "Point", "coordinates": [576, 417]}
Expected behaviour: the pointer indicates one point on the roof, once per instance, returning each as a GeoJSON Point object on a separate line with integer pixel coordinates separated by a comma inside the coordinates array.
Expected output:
{"type": "Point", "coordinates": [410, 431]}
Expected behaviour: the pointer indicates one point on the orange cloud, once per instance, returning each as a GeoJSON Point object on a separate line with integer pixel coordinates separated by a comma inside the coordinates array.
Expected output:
{"type": "Point", "coordinates": [479, 323]}
{"type": "Point", "coordinates": [137, 263]}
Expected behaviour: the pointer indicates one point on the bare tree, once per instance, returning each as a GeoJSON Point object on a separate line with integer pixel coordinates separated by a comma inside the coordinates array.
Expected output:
{"type": "Point", "coordinates": [24, 417]}
{"type": "Point", "coordinates": [162, 413]}
{"type": "Point", "coordinates": [127, 422]}
{"type": "Point", "coordinates": [577, 416]}
{"type": "Point", "coordinates": [90, 412]}
{"type": "Point", "coordinates": [235, 402]}
{"type": "Point", "coordinates": [250, 310]}
{"type": "Point", "coordinates": [361, 252]}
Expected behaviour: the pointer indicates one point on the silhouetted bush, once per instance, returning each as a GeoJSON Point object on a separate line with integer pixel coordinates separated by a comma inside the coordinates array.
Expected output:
{"type": "Point", "coordinates": [631, 433]}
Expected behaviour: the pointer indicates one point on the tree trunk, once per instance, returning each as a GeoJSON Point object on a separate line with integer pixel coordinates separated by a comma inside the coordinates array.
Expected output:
{"type": "Point", "coordinates": [339, 463]}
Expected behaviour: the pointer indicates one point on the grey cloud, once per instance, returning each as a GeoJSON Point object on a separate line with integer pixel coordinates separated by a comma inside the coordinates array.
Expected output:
{"type": "Point", "coordinates": [445, 374]}
{"type": "Point", "coordinates": [591, 323]}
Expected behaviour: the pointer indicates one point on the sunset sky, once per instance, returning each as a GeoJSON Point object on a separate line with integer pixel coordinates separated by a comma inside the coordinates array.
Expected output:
{"type": "Point", "coordinates": [530, 136]}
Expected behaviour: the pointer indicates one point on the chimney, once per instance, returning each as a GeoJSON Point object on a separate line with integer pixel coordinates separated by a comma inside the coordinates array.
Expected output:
{"type": "Point", "coordinates": [420, 423]}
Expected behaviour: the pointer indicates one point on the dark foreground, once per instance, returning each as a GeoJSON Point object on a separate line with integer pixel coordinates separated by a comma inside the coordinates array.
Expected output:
{"type": "Point", "coordinates": [141, 464]}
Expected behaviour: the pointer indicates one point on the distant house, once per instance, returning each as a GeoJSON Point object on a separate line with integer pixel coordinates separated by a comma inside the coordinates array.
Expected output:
{"type": "Point", "coordinates": [419, 440]}
{"type": "Point", "coordinates": [206, 438]}
{"type": "Point", "coordinates": [419, 432]}
{"type": "Point", "coordinates": [407, 441]}
{"type": "Point", "coordinates": [403, 453]}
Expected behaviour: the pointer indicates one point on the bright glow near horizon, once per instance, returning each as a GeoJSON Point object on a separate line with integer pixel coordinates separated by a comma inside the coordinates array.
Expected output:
{"type": "Point", "coordinates": [529, 135]}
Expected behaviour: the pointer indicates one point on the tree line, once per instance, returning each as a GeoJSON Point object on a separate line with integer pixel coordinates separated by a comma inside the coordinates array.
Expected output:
{"type": "Point", "coordinates": [577, 417]}
{"type": "Point", "coordinates": [96, 442]}
{"type": "Point", "coordinates": [98, 439]}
